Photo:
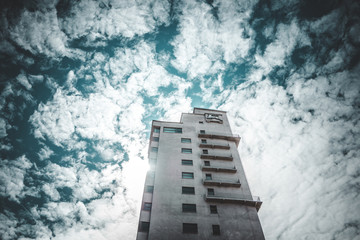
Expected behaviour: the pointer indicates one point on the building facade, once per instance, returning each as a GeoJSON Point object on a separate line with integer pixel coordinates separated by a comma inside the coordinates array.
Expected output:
{"type": "Point", "coordinates": [196, 186]}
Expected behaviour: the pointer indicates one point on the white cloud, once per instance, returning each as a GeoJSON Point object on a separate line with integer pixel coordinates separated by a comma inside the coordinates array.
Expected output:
{"type": "Point", "coordinates": [50, 190]}
{"type": "Point", "coordinates": [300, 153]}
{"type": "Point", "coordinates": [8, 227]}
{"type": "Point", "coordinates": [287, 38]}
{"type": "Point", "coordinates": [112, 216]}
{"type": "Point", "coordinates": [205, 39]}
{"type": "Point", "coordinates": [22, 79]}
{"type": "Point", "coordinates": [39, 33]}
{"type": "Point", "coordinates": [12, 176]}
{"type": "Point", "coordinates": [45, 153]}
{"type": "Point", "coordinates": [3, 126]}
{"type": "Point", "coordinates": [114, 18]}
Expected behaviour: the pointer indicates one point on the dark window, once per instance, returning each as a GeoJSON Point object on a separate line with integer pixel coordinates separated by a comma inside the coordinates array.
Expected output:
{"type": "Point", "coordinates": [201, 122]}
{"type": "Point", "coordinates": [144, 226]}
{"type": "Point", "coordinates": [186, 140]}
{"type": "Point", "coordinates": [188, 175]}
{"type": "Point", "coordinates": [155, 139]}
{"type": "Point", "coordinates": [154, 149]}
{"type": "Point", "coordinates": [188, 190]}
{"type": "Point", "coordinates": [147, 206]}
{"type": "Point", "coordinates": [203, 141]}
{"type": "Point", "coordinates": [205, 151]}
{"type": "Point", "coordinates": [202, 131]}
{"type": "Point", "coordinates": [208, 176]}
{"type": "Point", "coordinates": [188, 207]}
{"type": "Point", "coordinates": [186, 162]}
{"type": "Point", "coordinates": [207, 163]}
{"type": "Point", "coordinates": [216, 229]}
{"type": "Point", "coordinates": [186, 150]}
{"type": "Point", "coordinates": [156, 130]}
{"type": "Point", "coordinates": [190, 228]}
{"type": "Point", "coordinates": [210, 191]}
{"type": "Point", "coordinates": [213, 209]}
{"type": "Point", "coordinates": [172, 130]}
{"type": "Point", "coordinates": [149, 189]}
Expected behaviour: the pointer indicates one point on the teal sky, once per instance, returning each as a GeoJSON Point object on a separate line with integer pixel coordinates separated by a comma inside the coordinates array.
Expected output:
{"type": "Point", "coordinates": [82, 80]}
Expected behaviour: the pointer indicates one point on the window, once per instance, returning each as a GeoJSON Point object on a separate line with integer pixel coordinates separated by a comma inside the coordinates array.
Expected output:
{"type": "Point", "coordinates": [172, 130]}
{"type": "Point", "coordinates": [207, 163]}
{"type": "Point", "coordinates": [155, 139]}
{"type": "Point", "coordinates": [188, 190]}
{"type": "Point", "coordinates": [186, 162]}
{"type": "Point", "coordinates": [186, 150]}
{"type": "Point", "coordinates": [201, 122]}
{"type": "Point", "coordinates": [186, 140]}
{"type": "Point", "coordinates": [149, 189]}
{"type": "Point", "coordinates": [144, 226]}
{"type": "Point", "coordinates": [202, 131]}
{"type": "Point", "coordinates": [188, 207]}
{"type": "Point", "coordinates": [188, 175]}
{"type": "Point", "coordinates": [147, 206]}
{"type": "Point", "coordinates": [190, 228]}
{"type": "Point", "coordinates": [208, 176]}
{"type": "Point", "coordinates": [210, 192]}
{"type": "Point", "coordinates": [203, 141]}
{"type": "Point", "coordinates": [213, 209]}
{"type": "Point", "coordinates": [216, 229]}
{"type": "Point", "coordinates": [154, 149]}
{"type": "Point", "coordinates": [205, 151]}
{"type": "Point", "coordinates": [156, 130]}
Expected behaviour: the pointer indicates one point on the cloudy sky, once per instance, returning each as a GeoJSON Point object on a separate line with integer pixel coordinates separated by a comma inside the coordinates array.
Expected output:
{"type": "Point", "coordinates": [82, 80]}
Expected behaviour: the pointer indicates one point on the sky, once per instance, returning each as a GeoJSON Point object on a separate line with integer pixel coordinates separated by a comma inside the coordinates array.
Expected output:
{"type": "Point", "coordinates": [80, 82]}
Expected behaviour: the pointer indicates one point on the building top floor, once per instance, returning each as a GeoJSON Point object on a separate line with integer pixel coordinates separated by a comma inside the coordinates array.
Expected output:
{"type": "Point", "coordinates": [200, 115]}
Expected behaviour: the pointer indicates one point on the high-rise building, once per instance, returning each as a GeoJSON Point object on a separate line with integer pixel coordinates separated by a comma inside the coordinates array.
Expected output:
{"type": "Point", "coordinates": [196, 186]}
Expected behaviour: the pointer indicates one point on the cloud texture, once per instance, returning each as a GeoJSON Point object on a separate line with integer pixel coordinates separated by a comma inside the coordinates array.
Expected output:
{"type": "Point", "coordinates": [81, 82]}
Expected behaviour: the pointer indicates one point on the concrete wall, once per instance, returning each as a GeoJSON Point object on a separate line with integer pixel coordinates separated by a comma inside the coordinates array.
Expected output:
{"type": "Point", "coordinates": [166, 217]}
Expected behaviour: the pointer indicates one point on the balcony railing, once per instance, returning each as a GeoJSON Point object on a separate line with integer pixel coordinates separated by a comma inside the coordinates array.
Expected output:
{"type": "Point", "coordinates": [218, 135]}
{"type": "Point", "coordinates": [248, 200]}
{"type": "Point", "coordinates": [222, 182]}
{"type": "Point", "coordinates": [214, 146]}
{"type": "Point", "coordinates": [216, 157]}
{"type": "Point", "coordinates": [218, 169]}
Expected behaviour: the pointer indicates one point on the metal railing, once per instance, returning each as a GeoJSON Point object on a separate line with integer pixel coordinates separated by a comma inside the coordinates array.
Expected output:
{"type": "Point", "coordinates": [222, 182]}
{"type": "Point", "coordinates": [220, 135]}
{"type": "Point", "coordinates": [214, 146]}
{"type": "Point", "coordinates": [248, 200]}
{"type": "Point", "coordinates": [218, 168]}
{"type": "Point", "coordinates": [216, 157]}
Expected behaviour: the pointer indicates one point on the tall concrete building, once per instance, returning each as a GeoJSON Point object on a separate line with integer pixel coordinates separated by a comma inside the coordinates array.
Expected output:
{"type": "Point", "coordinates": [196, 187]}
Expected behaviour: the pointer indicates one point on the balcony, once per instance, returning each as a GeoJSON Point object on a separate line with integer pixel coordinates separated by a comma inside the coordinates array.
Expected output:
{"type": "Point", "coordinates": [251, 201]}
{"type": "Point", "coordinates": [222, 182]}
{"type": "Point", "coordinates": [216, 157]}
{"type": "Point", "coordinates": [215, 146]}
{"type": "Point", "coordinates": [224, 136]}
{"type": "Point", "coordinates": [218, 169]}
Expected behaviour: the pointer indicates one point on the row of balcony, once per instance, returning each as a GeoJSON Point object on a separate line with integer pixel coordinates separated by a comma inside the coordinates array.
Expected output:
{"type": "Point", "coordinates": [248, 200]}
